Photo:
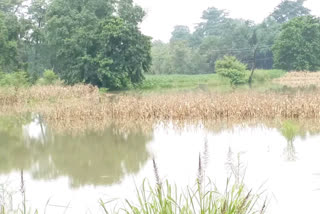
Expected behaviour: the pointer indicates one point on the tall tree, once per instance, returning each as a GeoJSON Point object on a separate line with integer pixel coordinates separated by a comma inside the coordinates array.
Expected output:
{"type": "Point", "coordinates": [38, 51]}
{"type": "Point", "coordinates": [298, 45]}
{"type": "Point", "coordinates": [288, 10]}
{"type": "Point", "coordinates": [9, 39]}
{"type": "Point", "coordinates": [161, 58]}
{"type": "Point", "coordinates": [180, 32]}
{"type": "Point", "coordinates": [98, 42]}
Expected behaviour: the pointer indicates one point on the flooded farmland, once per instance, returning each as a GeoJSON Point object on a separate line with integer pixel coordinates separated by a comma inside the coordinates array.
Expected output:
{"type": "Point", "coordinates": [62, 172]}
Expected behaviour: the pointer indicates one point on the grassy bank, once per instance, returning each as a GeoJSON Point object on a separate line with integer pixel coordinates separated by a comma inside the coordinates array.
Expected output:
{"type": "Point", "coordinates": [203, 81]}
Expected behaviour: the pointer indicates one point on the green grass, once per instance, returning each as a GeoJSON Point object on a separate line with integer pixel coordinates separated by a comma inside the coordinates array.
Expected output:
{"type": "Point", "coordinates": [203, 81]}
{"type": "Point", "coordinates": [203, 198]}
{"type": "Point", "coordinates": [165, 199]}
{"type": "Point", "coordinates": [182, 81]}
{"type": "Point", "coordinates": [267, 75]}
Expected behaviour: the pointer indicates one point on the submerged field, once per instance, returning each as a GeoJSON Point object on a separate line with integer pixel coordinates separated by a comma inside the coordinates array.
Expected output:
{"type": "Point", "coordinates": [86, 103]}
{"type": "Point", "coordinates": [84, 144]}
{"type": "Point", "coordinates": [84, 106]}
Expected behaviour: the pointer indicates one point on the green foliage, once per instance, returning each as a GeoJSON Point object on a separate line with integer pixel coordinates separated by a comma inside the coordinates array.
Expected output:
{"type": "Point", "coordinates": [231, 68]}
{"type": "Point", "coordinates": [103, 90]}
{"type": "Point", "coordinates": [205, 81]}
{"type": "Point", "coordinates": [175, 81]}
{"type": "Point", "coordinates": [99, 41]}
{"type": "Point", "coordinates": [177, 58]}
{"type": "Point", "coordinates": [166, 199]}
{"type": "Point", "coordinates": [288, 10]}
{"type": "Point", "coordinates": [180, 33]}
{"type": "Point", "coordinates": [49, 78]}
{"type": "Point", "coordinates": [161, 58]}
{"type": "Point", "coordinates": [94, 44]}
{"type": "Point", "coordinates": [261, 76]}
{"type": "Point", "coordinates": [8, 43]}
{"type": "Point", "coordinates": [219, 35]}
{"type": "Point", "coordinates": [204, 198]}
{"type": "Point", "coordinates": [16, 79]}
{"type": "Point", "coordinates": [290, 130]}
{"type": "Point", "coordinates": [298, 45]}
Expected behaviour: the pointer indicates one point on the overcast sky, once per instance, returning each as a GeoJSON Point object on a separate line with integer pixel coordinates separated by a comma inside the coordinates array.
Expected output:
{"type": "Point", "coordinates": [163, 15]}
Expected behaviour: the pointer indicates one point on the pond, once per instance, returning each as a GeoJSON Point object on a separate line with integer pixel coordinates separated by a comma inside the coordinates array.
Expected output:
{"type": "Point", "coordinates": [70, 173]}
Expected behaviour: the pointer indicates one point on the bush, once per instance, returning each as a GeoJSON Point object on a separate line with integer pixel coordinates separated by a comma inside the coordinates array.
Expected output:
{"type": "Point", "coordinates": [48, 78]}
{"type": "Point", "coordinates": [290, 130]}
{"type": "Point", "coordinates": [15, 79]}
{"type": "Point", "coordinates": [232, 69]}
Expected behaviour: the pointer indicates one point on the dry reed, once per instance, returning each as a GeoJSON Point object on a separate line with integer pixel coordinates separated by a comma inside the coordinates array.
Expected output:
{"type": "Point", "coordinates": [299, 79]}
{"type": "Point", "coordinates": [83, 104]}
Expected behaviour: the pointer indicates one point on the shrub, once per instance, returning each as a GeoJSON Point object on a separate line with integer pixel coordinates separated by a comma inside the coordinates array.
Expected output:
{"type": "Point", "coordinates": [48, 78]}
{"type": "Point", "coordinates": [15, 79]}
{"type": "Point", "coordinates": [232, 69]}
{"type": "Point", "coordinates": [290, 130]}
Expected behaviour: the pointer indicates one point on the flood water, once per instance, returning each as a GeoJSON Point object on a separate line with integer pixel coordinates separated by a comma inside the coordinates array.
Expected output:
{"type": "Point", "coordinates": [70, 173]}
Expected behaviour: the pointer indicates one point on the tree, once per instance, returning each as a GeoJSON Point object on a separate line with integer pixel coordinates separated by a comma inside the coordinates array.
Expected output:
{"type": "Point", "coordinates": [38, 50]}
{"type": "Point", "coordinates": [98, 42]}
{"type": "Point", "coordinates": [267, 32]}
{"type": "Point", "coordinates": [161, 58]}
{"type": "Point", "coordinates": [124, 55]}
{"type": "Point", "coordinates": [180, 32]}
{"type": "Point", "coordinates": [181, 57]}
{"type": "Point", "coordinates": [298, 45]}
{"type": "Point", "coordinates": [10, 6]}
{"type": "Point", "coordinates": [9, 60]}
{"type": "Point", "coordinates": [214, 23]}
{"type": "Point", "coordinates": [288, 10]}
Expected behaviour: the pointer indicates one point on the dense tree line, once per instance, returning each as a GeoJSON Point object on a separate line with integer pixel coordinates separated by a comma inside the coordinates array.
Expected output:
{"type": "Point", "coordinates": [287, 39]}
{"type": "Point", "coordinates": [99, 42]}
{"type": "Point", "coordinates": [95, 41]}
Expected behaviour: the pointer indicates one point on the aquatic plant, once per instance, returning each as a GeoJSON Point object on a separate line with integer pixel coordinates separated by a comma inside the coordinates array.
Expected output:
{"type": "Point", "coordinates": [204, 197]}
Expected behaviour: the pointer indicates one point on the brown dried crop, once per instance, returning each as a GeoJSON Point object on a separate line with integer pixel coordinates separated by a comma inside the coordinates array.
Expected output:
{"type": "Point", "coordinates": [85, 104]}
{"type": "Point", "coordinates": [299, 79]}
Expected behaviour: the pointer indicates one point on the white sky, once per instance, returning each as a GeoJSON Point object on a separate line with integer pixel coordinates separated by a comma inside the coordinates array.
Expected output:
{"type": "Point", "coordinates": [163, 15]}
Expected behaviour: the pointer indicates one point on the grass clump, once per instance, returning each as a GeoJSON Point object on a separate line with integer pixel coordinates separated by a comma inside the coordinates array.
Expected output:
{"type": "Point", "coordinates": [166, 200]}
{"type": "Point", "coordinates": [203, 198]}
{"type": "Point", "coordinates": [290, 130]}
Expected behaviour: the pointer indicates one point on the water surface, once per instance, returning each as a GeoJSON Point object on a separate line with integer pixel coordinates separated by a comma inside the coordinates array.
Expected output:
{"type": "Point", "coordinates": [70, 172]}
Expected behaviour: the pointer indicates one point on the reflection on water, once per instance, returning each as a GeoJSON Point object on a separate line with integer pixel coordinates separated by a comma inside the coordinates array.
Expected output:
{"type": "Point", "coordinates": [77, 170]}
{"type": "Point", "coordinates": [95, 158]}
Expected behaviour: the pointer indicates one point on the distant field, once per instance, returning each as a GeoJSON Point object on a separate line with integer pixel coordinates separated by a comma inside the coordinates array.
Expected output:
{"type": "Point", "coordinates": [179, 81]}
{"type": "Point", "coordinates": [299, 79]}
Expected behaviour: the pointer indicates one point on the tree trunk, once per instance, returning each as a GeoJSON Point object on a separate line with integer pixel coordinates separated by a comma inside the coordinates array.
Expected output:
{"type": "Point", "coordinates": [253, 66]}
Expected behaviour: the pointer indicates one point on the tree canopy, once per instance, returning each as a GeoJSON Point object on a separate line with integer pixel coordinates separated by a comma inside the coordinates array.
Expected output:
{"type": "Point", "coordinates": [288, 10]}
{"type": "Point", "coordinates": [218, 35]}
{"type": "Point", "coordinates": [96, 41]}
{"type": "Point", "coordinates": [99, 41]}
{"type": "Point", "coordinates": [93, 45]}
{"type": "Point", "coordinates": [298, 45]}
